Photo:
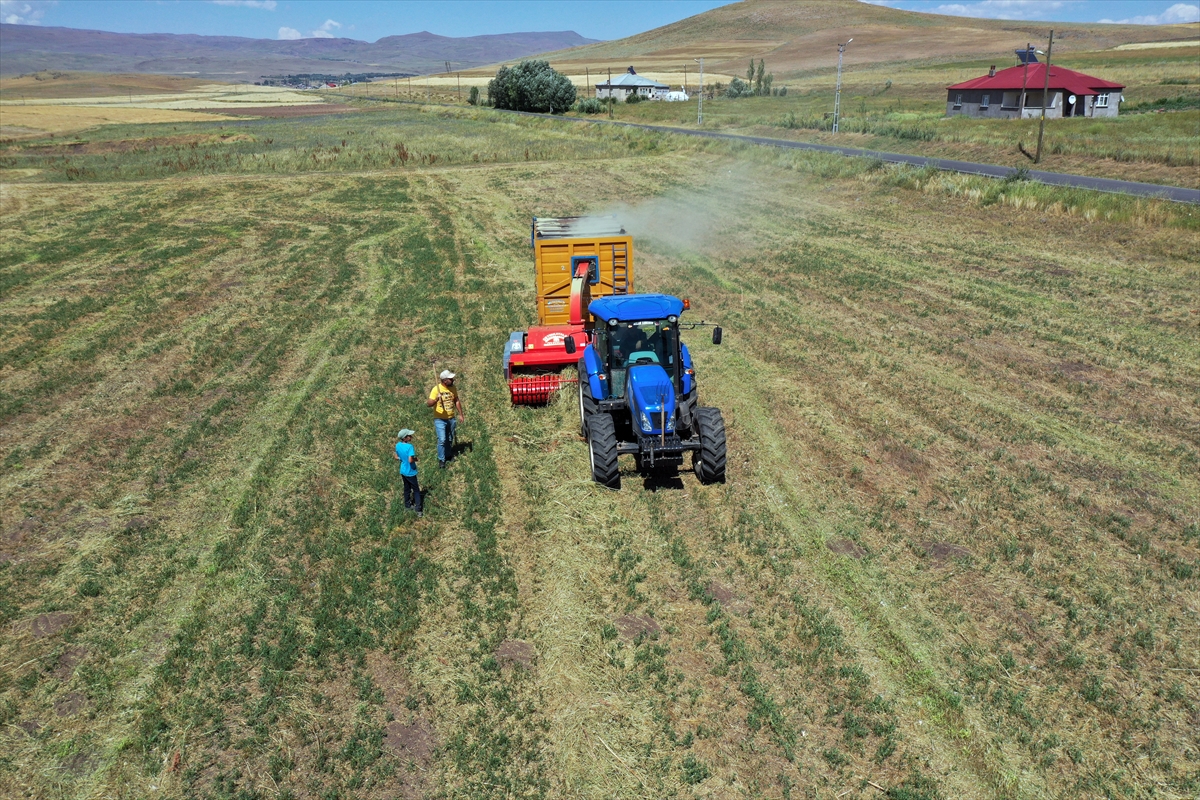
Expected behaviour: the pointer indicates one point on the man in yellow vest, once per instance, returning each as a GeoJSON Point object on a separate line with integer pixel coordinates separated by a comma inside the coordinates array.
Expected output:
{"type": "Point", "coordinates": [446, 404]}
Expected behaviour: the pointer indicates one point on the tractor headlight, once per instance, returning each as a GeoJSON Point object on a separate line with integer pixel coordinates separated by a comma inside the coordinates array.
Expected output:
{"type": "Point", "coordinates": [646, 424]}
{"type": "Point", "coordinates": [671, 423]}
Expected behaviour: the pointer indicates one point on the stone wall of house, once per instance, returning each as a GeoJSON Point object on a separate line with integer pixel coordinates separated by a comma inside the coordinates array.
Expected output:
{"type": "Point", "coordinates": [1005, 105]}
{"type": "Point", "coordinates": [971, 105]}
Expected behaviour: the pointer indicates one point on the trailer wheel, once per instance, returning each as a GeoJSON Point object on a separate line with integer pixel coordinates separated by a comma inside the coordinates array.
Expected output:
{"type": "Point", "coordinates": [709, 462]}
{"type": "Point", "coordinates": [587, 403]}
{"type": "Point", "coordinates": [602, 444]}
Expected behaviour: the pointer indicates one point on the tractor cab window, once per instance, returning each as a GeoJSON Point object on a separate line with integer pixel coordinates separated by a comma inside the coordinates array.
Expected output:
{"type": "Point", "coordinates": [633, 344]}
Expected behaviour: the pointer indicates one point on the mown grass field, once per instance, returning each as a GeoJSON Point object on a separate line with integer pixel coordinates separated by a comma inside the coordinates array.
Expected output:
{"type": "Point", "coordinates": [958, 554]}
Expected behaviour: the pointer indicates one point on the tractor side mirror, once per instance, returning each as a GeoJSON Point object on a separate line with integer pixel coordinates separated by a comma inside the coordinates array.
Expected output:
{"type": "Point", "coordinates": [716, 335]}
{"type": "Point", "coordinates": [569, 343]}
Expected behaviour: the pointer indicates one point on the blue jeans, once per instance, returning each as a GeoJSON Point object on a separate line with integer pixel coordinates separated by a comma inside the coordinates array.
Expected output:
{"type": "Point", "coordinates": [414, 498]}
{"type": "Point", "coordinates": [445, 435]}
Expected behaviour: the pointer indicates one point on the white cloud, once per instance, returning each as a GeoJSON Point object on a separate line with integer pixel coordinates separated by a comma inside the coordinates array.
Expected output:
{"type": "Point", "coordinates": [267, 5]}
{"type": "Point", "coordinates": [326, 30]}
{"type": "Point", "coordinates": [23, 12]}
{"type": "Point", "coordinates": [1180, 12]}
{"type": "Point", "coordinates": [1004, 9]}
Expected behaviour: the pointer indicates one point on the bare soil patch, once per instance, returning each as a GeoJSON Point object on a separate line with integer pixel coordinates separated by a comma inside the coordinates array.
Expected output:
{"type": "Point", "coordinates": [68, 661]}
{"type": "Point", "coordinates": [719, 592]}
{"type": "Point", "coordinates": [944, 551]}
{"type": "Point", "coordinates": [845, 547]}
{"type": "Point", "coordinates": [1075, 370]}
{"type": "Point", "coordinates": [415, 741]}
{"type": "Point", "coordinates": [632, 626]}
{"type": "Point", "coordinates": [515, 651]}
{"type": "Point", "coordinates": [70, 704]}
{"type": "Point", "coordinates": [904, 457]}
{"type": "Point", "coordinates": [44, 625]}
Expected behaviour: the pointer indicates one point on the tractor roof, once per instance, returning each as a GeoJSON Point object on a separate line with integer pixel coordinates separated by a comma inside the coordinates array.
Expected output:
{"type": "Point", "coordinates": [635, 307]}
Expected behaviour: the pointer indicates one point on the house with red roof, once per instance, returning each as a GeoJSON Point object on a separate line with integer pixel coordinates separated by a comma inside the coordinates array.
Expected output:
{"type": "Point", "coordinates": [1017, 92]}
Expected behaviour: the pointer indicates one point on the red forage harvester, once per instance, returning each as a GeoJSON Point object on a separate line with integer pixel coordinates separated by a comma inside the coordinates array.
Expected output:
{"type": "Point", "coordinates": [575, 260]}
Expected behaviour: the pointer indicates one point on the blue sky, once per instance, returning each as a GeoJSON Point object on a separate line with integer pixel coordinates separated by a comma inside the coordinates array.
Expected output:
{"type": "Point", "coordinates": [369, 20]}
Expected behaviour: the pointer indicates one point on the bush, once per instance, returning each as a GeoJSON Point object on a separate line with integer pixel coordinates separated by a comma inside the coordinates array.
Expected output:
{"type": "Point", "coordinates": [473, 97]}
{"type": "Point", "coordinates": [531, 86]}
{"type": "Point", "coordinates": [634, 98]}
{"type": "Point", "coordinates": [739, 88]}
{"type": "Point", "coordinates": [589, 105]}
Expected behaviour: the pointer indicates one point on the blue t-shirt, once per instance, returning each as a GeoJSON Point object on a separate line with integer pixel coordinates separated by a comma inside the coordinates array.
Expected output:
{"type": "Point", "coordinates": [404, 450]}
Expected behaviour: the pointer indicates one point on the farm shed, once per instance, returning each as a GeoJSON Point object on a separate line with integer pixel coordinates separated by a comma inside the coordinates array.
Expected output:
{"type": "Point", "coordinates": [632, 83]}
{"type": "Point", "coordinates": [998, 94]}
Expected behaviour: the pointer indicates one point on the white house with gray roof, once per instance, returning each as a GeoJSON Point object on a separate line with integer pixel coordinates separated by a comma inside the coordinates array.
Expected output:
{"type": "Point", "coordinates": [632, 83]}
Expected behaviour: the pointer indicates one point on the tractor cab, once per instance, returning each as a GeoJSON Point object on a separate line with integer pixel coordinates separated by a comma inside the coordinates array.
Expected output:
{"type": "Point", "coordinates": [636, 382]}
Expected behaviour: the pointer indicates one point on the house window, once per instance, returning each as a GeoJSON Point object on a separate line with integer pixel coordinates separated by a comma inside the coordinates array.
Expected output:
{"type": "Point", "coordinates": [958, 101]}
{"type": "Point", "coordinates": [1102, 100]}
{"type": "Point", "coordinates": [984, 104]}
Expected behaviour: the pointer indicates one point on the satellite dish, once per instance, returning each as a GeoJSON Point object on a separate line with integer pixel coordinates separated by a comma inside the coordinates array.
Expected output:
{"type": "Point", "coordinates": [1071, 99]}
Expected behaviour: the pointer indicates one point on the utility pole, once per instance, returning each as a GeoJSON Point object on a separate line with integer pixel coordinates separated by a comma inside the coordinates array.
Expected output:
{"type": "Point", "coordinates": [837, 93]}
{"type": "Point", "coordinates": [700, 105]}
{"type": "Point", "coordinates": [587, 81]}
{"type": "Point", "coordinates": [1024, 80]}
{"type": "Point", "coordinates": [610, 95]}
{"type": "Point", "coordinates": [458, 76]}
{"type": "Point", "coordinates": [1037, 156]}
{"type": "Point", "coordinates": [685, 78]}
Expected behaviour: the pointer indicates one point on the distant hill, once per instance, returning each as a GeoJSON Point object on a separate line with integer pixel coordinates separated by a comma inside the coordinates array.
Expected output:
{"type": "Point", "coordinates": [30, 48]}
{"type": "Point", "coordinates": [795, 36]}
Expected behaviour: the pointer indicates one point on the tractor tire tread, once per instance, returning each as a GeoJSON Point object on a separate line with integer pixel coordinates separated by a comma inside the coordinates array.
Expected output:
{"type": "Point", "coordinates": [602, 445]}
{"type": "Point", "coordinates": [709, 462]}
{"type": "Point", "coordinates": [588, 405]}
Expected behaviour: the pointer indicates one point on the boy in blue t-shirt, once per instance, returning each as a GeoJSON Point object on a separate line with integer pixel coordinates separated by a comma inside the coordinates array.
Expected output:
{"type": "Point", "coordinates": [406, 454]}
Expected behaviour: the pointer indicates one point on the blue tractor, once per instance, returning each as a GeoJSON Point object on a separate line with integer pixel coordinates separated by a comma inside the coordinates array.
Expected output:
{"type": "Point", "coordinates": [638, 393]}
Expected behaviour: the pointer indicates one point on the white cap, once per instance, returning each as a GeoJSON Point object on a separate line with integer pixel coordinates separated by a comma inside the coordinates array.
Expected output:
{"type": "Point", "coordinates": [446, 375]}
{"type": "Point", "coordinates": [405, 432]}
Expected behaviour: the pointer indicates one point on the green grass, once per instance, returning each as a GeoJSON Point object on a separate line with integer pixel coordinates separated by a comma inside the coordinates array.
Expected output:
{"type": "Point", "coordinates": [905, 111]}
{"type": "Point", "coordinates": [954, 557]}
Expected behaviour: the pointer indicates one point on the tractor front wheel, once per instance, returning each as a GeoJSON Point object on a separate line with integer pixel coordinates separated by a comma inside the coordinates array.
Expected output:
{"type": "Point", "coordinates": [602, 444]}
{"type": "Point", "coordinates": [587, 403]}
{"type": "Point", "coordinates": [709, 462]}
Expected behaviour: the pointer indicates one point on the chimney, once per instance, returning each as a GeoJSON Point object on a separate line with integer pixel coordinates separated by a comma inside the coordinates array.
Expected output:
{"type": "Point", "coordinates": [992, 71]}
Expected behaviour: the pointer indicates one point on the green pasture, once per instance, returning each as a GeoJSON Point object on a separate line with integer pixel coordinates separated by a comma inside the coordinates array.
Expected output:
{"type": "Point", "coordinates": [903, 109]}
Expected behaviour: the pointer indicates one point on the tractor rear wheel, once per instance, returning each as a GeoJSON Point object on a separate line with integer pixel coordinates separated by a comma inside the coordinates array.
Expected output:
{"type": "Point", "coordinates": [602, 444]}
{"type": "Point", "coordinates": [709, 462]}
{"type": "Point", "coordinates": [587, 403]}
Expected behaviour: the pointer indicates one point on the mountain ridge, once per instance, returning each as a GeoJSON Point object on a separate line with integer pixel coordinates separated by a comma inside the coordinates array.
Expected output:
{"type": "Point", "coordinates": [29, 48]}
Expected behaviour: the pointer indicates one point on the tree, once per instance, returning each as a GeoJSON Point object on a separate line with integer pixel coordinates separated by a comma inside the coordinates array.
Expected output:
{"type": "Point", "coordinates": [750, 73]}
{"type": "Point", "coordinates": [738, 88]}
{"type": "Point", "coordinates": [531, 86]}
{"type": "Point", "coordinates": [758, 77]}
{"type": "Point", "coordinates": [473, 97]}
